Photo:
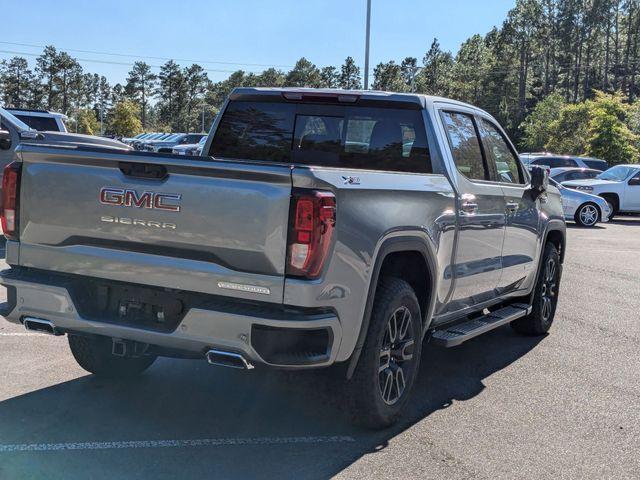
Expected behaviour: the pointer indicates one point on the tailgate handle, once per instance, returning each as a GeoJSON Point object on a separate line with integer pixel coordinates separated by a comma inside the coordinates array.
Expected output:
{"type": "Point", "coordinates": [143, 170]}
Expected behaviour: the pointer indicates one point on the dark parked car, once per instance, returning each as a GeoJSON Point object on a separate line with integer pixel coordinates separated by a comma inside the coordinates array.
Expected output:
{"type": "Point", "coordinates": [564, 174]}
{"type": "Point", "coordinates": [557, 161]}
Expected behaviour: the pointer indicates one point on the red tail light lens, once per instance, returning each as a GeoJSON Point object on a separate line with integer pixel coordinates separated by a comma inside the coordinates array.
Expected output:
{"type": "Point", "coordinates": [10, 192]}
{"type": "Point", "coordinates": [313, 218]}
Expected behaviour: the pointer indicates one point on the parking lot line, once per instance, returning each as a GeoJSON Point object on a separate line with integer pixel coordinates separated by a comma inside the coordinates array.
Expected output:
{"type": "Point", "coordinates": [201, 442]}
{"type": "Point", "coordinates": [19, 334]}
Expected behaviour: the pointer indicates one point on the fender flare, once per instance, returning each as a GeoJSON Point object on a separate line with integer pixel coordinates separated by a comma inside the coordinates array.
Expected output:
{"type": "Point", "coordinates": [554, 225]}
{"type": "Point", "coordinates": [405, 242]}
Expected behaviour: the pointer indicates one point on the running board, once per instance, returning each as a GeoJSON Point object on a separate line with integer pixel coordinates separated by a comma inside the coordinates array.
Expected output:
{"type": "Point", "coordinates": [454, 335]}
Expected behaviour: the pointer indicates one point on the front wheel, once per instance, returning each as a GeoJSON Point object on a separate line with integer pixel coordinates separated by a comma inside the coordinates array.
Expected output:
{"type": "Point", "coordinates": [587, 215]}
{"type": "Point", "coordinates": [612, 201]}
{"type": "Point", "coordinates": [389, 361]}
{"type": "Point", "coordinates": [545, 298]}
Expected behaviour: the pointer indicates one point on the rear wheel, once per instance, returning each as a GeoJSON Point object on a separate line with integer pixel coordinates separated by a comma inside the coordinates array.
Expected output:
{"type": "Point", "coordinates": [545, 298]}
{"type": "Point", "coordinates": [587, 215]}
{"type": "Point", "coordinates": [94, 354]}
{"type": "Point", "coordinates": [389, 361]}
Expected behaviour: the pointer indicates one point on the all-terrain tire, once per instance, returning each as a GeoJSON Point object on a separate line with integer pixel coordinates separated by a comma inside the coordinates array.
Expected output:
{"type": "Point", "coordinates": [545, 298]}
{"type": "Point", "coordinates": [376, 379]}
{"type": "Point", "coordinates": [94, 355]}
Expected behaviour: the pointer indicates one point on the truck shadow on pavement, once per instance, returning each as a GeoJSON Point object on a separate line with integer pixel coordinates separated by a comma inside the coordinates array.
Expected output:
{"type": "Point", "coordinates": [180, 399]}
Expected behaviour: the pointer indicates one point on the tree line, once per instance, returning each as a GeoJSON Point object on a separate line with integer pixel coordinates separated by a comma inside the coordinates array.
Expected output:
{"type": "Point", "coordinates": [568, 49]}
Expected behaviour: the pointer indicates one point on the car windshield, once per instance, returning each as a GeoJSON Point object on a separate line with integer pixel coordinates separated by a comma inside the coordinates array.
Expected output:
{"type": "Point", "coordinates": [617, 173]}
{"type": "Point", "coordinates": [202, 140]}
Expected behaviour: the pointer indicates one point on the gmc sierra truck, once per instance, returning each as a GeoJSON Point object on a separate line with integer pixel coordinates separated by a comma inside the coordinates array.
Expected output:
{"type": "Point", "coordinates": [318, 228]}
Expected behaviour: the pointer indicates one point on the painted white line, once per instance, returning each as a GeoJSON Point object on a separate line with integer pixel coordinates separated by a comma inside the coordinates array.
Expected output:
{"type": "Point", "coordinates": [202, 442]}
{"type": "Point", "coordinates": [20, 334]}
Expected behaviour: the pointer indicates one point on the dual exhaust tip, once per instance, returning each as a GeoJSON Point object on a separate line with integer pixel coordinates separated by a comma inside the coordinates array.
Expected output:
{"type": "Point", "coordinates": [41, 326]}
{"type": "Point", "coordinates": [214, 357]}
{"type": "Point", "coordinates": [228, 359]}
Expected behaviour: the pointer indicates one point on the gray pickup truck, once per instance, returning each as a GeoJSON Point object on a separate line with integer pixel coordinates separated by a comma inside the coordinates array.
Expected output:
{"type": "Point", "coordinates": [318, 228]}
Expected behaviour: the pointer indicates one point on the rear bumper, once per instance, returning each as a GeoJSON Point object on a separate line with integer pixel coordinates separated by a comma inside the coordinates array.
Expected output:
{"type": "Point", "coordinates": [262, 333]}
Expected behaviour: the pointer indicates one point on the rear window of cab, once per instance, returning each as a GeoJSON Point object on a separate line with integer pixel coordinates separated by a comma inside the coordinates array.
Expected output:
{"type": "Point", "coordinates": [348, 137]}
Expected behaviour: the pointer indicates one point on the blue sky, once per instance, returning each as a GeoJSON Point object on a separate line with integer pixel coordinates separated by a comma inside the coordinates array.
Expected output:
{"type": "Point", "coordinates": [238, 33]}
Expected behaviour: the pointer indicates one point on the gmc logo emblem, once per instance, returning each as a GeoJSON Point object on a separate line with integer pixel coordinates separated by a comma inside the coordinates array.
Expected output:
{"type": "Point", "coordinates": [124, 197]}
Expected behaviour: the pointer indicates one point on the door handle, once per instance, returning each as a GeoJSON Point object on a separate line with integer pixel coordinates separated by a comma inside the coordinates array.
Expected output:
{"type": "Point", "coordinates": [469, 208]}
{"type": "Point", "coordinates": [512, 207]}
{"type": "Point", "coordinates": [143, 170]}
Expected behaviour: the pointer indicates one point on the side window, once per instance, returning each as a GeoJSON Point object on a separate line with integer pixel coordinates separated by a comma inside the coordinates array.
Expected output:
{"type": "Point", "coordinates": [465, 147]}
{"type": "Point", "coordinates": [498, 151]}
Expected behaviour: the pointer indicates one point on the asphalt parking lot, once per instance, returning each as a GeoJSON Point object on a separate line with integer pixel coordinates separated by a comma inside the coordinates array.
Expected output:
{"type": "Point", "coordinates": [499, 406]}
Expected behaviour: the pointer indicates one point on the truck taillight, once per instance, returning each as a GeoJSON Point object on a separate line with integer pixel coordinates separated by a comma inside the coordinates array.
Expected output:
{"type": "Point", "coordinates": [313, 218]}
{"type": "Point", "coordinates": [10, 197]}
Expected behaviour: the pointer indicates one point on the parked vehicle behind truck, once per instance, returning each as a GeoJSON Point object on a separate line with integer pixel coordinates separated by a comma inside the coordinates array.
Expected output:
{"type": "Point", "coordinates": [319, 228]}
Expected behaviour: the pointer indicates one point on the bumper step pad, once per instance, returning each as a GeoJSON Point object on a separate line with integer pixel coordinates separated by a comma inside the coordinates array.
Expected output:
{"type": "Point", "coordinates": [454, 335]}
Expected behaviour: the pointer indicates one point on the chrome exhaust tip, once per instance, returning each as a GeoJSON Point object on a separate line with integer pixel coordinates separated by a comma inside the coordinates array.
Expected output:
{"type": "Point", "coordinates": [41, 326]}
{"type": "Point", "coordinates": [228, 359]}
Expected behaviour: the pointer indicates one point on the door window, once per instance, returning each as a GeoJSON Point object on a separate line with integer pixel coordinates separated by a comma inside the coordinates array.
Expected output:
{"type": "Point", "coordinates": [465, 147]}
{"type": "Point", "coordinates": [498, 152]}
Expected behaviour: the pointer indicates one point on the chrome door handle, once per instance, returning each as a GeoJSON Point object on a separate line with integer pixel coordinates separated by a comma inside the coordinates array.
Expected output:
{"type": "Point", "coordinates": [512, 206]}
{"type": "Point", "coordinates": [469, 208]}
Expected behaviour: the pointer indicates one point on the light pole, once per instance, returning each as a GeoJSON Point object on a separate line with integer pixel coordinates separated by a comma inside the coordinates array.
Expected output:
{"type": "Point", "coordinates": [366, 48]}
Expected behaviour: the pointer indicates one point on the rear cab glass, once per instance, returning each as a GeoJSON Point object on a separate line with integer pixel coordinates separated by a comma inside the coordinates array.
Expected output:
{"type": "Point", "coordinates": [42, 124]}
{"type": "Point", "coordinates": [341, 136]}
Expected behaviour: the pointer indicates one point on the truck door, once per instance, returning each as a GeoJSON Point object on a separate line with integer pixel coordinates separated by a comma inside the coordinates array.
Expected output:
{"type": "Point", "coordinates": [522, 219]}
{"type": "Point", "coordinates": [631, 200]}
{"type": "Point", "coordinates": [481, 213]}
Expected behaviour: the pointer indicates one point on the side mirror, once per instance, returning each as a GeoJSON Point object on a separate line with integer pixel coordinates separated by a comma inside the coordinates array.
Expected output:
{"type": "Point", "coordinates": [5, 140]}
{"type": "Point", "coordinates": [634, 181]}
{"type": "Point", "coordinates": [539, 179]}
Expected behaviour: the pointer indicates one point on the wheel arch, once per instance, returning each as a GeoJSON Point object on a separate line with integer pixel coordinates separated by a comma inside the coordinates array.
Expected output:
{"type": "Point", "coordinates": [410, 255]}
{"type": "Point", "coordinates": [556, 235]}
{"type": "Point", "coordinates": [612, 195]}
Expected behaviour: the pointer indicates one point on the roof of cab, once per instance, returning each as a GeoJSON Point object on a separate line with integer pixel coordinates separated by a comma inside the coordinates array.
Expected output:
{"type": "Point", "coordinates": [417, 99]}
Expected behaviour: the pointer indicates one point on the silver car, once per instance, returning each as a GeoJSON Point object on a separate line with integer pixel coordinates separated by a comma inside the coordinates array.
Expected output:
{"type": "Point", "coordinates": [583, 208]}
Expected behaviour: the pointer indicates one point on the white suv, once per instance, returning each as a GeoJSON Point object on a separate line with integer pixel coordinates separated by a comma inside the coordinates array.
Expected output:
{"type": "Point", "coordinates": [41, 120]}
{"type": "Point", "coordinates": [619, 186]}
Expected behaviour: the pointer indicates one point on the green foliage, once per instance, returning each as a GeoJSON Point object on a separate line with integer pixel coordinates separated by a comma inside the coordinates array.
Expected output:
{"type": "Point", "coordinates": [546, 53]}
{"type": "Point", "coordinates": [304, 74]}
{"type": "Point", "coordinates": [87, 122]}
{"type": "Point", "coordinates": [609, 136]}
{"type": "Point", "coordinates": [435, 77]}
{"type": "Point", "coordinates": [569, 133]}
{"type": "Point", "coordinates": [140, 87]}
{"type": "Point", "coordinates": [388, 77]}
{"type": "Point", "coordinates": [124, 119]}
{"type": "Point", "coordinates": [349, 78]}
{"type": "Point", "coordinates": [537, 128]}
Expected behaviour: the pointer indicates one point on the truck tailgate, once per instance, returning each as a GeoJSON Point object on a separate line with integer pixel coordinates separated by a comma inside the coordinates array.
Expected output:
{"type": "Point", "coordinates": [208, 226]}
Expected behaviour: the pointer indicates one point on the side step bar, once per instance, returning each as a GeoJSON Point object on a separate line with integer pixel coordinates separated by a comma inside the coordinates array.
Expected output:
{"type": "Point", "coordinates": [454, 335]}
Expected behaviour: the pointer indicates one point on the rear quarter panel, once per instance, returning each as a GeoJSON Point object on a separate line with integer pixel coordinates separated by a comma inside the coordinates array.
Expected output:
{"type": "Point", "coordinates": [375, 207]}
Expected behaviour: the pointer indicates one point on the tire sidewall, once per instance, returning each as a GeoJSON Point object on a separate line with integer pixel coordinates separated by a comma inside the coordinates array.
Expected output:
{"type": "Point", "coordinates": [369, 361]}
{"type": "Point", "coordinates": [578, 219]}
{"type": "Point", "coordinates": [549, 252]}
